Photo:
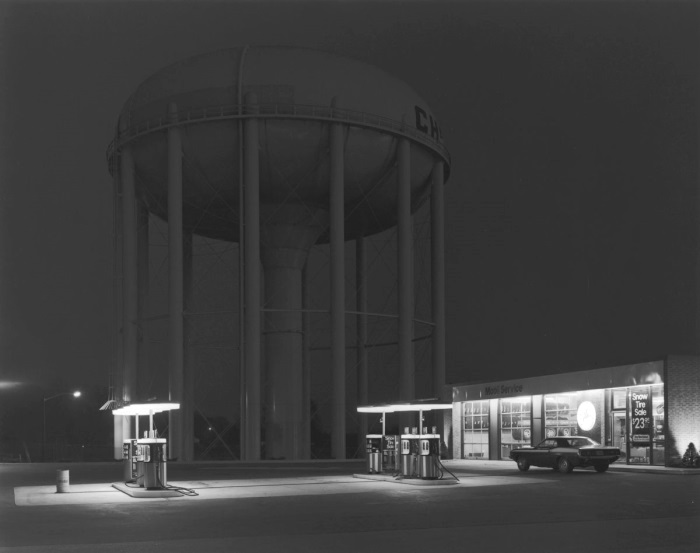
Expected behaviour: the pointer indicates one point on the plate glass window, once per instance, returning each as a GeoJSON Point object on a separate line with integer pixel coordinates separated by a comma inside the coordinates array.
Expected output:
{"type": "Point", "coordinates": [560, 415]}
{"type": "Point", "coordinates": [515, 424]}
{"type": "Point", "coordinates": [476, 429]}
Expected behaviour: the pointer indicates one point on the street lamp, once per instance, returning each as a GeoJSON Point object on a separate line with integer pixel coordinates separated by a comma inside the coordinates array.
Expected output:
{"type": "Point", "coordinates": [43, 435]}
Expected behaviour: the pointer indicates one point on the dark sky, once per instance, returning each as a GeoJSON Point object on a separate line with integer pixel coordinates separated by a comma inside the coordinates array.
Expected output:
{"type": "Point", "coordinates": [573, 128]}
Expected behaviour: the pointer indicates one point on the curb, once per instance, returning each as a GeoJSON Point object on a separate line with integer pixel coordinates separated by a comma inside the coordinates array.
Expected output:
{"type": "Point", "coordinates": [657, 470]}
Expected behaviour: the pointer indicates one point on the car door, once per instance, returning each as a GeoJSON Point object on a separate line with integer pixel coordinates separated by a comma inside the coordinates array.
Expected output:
{"type": "Point", "coordinates": [542, 453]}
{"type": "Point", "coordinates": [547, 456]}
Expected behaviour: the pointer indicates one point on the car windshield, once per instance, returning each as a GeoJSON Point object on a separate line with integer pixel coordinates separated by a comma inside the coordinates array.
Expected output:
{"type": "Point", "coordinates": [581, 442]}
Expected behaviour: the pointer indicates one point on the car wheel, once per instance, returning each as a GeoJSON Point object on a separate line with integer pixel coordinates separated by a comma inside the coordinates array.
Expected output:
{"type": "Point", "coordinates": [523, 464]}
{"type": "Point", "coordinates": [601, 468]}
{"type": "Point", "coordinates": [564, 465]}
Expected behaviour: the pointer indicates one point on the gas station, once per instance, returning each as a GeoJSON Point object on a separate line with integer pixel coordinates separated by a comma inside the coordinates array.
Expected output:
{"type": "Point", "coordinates": [410, 457]}
{"type": "Point", "coordinates": [145, 459]}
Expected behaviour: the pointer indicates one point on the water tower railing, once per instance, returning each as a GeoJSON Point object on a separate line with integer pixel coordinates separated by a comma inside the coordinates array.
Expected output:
{"type": "Point", "coordinates": [282, 111]}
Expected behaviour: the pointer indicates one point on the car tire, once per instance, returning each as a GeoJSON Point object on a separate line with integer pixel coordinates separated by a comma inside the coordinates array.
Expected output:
{"type": "Point", "coordinates": [523, 464]}
{"type": "Point", "coordinates": [601, 468]}
{"type": "Point", "coordinates": [564, 465]}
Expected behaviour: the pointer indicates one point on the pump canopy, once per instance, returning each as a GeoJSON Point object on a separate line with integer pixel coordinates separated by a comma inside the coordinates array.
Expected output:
{"type": "Point", "coordinates": [419, 405]}
{"type": "Point", "coordinates": [145, 408]}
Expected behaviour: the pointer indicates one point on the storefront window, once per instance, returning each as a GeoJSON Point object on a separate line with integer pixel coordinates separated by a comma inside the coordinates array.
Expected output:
{"type": "Point", "coordinates": [646, 412]}
{"type": "Point", "coordinates": [515, 424]}
{"type": "Point", "coordinates": [560, 415]}
{"type": "Point", "coordinates": [575, 414]}
{"type": "Point", "coordinates": [476, 429]}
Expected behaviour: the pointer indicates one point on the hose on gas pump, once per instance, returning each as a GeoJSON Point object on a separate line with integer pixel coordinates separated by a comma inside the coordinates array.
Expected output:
{"type": "Point", "coordinates": [442, 468]}
{"type": "Point", "coordinates": [438, 467]}
{"type": "Point", "coordinates": [129, 483]}
{"type": "Point", "coordinates": [179, 489]}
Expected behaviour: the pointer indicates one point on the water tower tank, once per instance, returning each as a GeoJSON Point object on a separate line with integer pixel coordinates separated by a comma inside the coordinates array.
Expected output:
{"type": "Point", "coordinates": [295, 96]}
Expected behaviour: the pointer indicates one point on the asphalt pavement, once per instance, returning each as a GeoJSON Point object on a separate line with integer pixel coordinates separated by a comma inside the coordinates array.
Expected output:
{"type": "Point", "coordinates": [331, 506]}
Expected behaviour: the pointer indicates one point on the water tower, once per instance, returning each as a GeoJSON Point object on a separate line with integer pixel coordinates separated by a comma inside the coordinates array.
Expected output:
{"type": "Point", "coordinates": [276, 149]}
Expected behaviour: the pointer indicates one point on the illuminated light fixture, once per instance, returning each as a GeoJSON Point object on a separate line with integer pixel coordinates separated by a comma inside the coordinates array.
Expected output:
{"type": "Point", "coordinates": [422, 406]}
{"type": "Point", "coordinates": [417, 407]}
{"type": "Point", "coordinates": [375, 409]}
{"type": "Point", "coordinates": [145, 408]}
{"type": "Point", "coordinates": [403, 407]}
{"type": "Point", "coordinates": [150, 409]}
{"type": "Point", "coordinates": [585, 416]}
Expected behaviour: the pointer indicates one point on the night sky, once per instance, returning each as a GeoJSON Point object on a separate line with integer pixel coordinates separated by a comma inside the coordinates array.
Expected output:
{"type": "Point", "coordinates": [572, 225]}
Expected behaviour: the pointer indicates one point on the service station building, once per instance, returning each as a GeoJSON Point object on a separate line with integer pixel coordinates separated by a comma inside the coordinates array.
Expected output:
{"type": "Point", "coordinates": [649, 410]}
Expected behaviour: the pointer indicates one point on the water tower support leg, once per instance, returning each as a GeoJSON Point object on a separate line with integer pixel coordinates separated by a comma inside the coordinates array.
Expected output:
{"type": "Point", "coordinates": [405, 270]}
{"type": "Point", "coordinates": [252, 316]}
{"type": "Point", "coordinates": [130, 269]}
{"type": "Point", "coordinates": [175, 284]}
{"type": "Point", "coordinates": [361, 308]}
{"type": "Point", "coordinates": [143, 379]}
{"type": "Point", "coordinates": [437, 284]}
{"type": "Point", "coordinates": [337, 243]}
{"type": "Point", "coordinates": [187, 407]}
{"type": "Point", "coordinates": [306, 364]}
{"type": "Point", "coordinates": [437, 251]}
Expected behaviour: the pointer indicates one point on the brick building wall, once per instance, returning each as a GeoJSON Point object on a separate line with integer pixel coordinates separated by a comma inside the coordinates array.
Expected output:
{"type": "Point", "coordinates": [456, 437]}
{"type": "Point", "coordinates": [682, 405]}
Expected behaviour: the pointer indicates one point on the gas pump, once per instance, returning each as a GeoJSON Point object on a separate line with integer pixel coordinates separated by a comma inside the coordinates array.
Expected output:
{"type": "Point", "coordinates": [409, 453]}
{"type": "Point", "coordinates": [390, 449]}
{"type": "Point", "coordinates": [153, 459]}
{"type": "Point", "coordinates": [416, 452]}
{"type": "Point", "coordinates": [145, 459]}
{"type": "Point", "coordinates": [429, 456]}
{"type": "Point", "coordinates": [154, 462]}
{"type": "Point", "coordinates": [374, 453]}
{"type": "Point", "coordinates": [130, 454]}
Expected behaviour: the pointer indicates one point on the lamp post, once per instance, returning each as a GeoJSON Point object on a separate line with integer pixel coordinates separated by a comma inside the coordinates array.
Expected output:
{"type": "Point", "coordinates": [43, 434]}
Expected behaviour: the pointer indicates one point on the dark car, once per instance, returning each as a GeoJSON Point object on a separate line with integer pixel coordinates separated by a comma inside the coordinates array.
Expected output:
{"type": "Point", "coordinates": [566, 453]}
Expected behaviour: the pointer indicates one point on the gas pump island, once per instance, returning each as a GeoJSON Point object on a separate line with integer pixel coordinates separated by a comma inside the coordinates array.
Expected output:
{"type": "Point", "coordinates": [145, 458]}
{"type": "Point", "coordinates": [415, 454]}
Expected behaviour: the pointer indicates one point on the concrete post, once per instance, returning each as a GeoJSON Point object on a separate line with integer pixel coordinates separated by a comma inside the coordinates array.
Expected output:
{"type": "Point", "coordinates": [283, 342]}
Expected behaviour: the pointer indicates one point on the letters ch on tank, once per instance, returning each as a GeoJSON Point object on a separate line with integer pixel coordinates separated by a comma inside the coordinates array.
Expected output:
{"type": "Point", "coordinates": [426, 123]}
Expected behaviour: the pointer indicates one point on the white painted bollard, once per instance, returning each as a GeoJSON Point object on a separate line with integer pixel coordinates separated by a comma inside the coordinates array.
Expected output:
{"type": "Point", "coordinates": [62, 481]}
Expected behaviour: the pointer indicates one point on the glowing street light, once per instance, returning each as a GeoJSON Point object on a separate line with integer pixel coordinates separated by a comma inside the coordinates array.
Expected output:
{"type": "Point", "coordinates": [45, 399]}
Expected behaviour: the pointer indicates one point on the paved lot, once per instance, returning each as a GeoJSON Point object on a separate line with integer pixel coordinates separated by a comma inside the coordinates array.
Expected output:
{"type": "Point", "coordinates": [320, 506]}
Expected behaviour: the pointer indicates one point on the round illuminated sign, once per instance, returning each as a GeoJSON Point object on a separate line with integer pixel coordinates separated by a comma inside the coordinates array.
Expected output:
{"type": "Point", "coordinates": [585, 416]}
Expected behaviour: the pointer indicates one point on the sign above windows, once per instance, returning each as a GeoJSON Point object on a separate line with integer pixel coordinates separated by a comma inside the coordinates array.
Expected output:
{"type": "Point", "coordinates": [594, 379]}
